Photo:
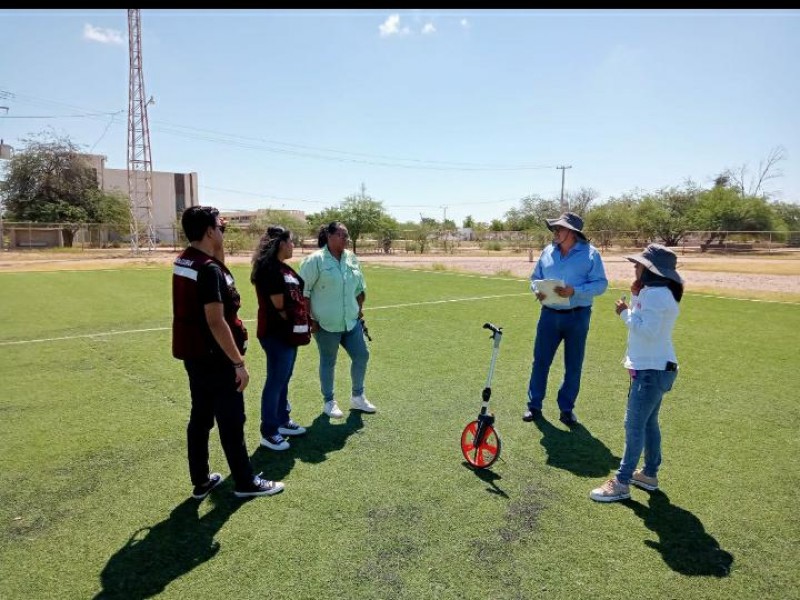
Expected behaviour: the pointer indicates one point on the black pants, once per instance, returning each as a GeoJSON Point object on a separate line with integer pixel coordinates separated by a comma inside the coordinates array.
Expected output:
{"type": "Point", "coordinates": [212, 384]}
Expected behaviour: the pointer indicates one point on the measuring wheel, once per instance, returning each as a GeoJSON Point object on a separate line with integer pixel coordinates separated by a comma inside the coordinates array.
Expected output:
{"type": "Point", "coordinates": [480, 444]}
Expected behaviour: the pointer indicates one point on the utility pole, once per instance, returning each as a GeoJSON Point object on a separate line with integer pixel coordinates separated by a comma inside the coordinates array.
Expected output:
{"type": "Point", "coordinates": [564, 206]}
{"type": "Point", "coordinates": [444, 218]}
{"type": "Point", "coordinates": [140, 164]}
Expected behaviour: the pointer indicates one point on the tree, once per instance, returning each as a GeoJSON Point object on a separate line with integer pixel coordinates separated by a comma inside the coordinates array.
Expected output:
{"type": "Point", "coordinates": [532, 212]}
{"type": "Point", "coordinates": [666, 214]}
{"type": "Point", "coordinates": [611, 218]}
{"type": "Point", "coordinates": [469, 222]}
{"type": "Point", "coordinates": [788, 213]}
{"type": "Point", "coordinates": [268, 217]}
{"type": "Point", "coordinates": [767, 170]}
{"type": "Point", "coordinates": [579, 201]}
{"type": "Point", "coordinates": [323, 217]}
{"type": "Point", "coordinates": [721, 210]}
{"type": "Point", "coordinates": [388, 230]}
{"type": "Point", "coordinates": [49, 181]}
{"type": "Point", "coordinates": [360, 213]}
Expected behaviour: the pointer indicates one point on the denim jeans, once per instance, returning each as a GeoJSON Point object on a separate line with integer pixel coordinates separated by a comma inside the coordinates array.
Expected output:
{"type": "Point", "coordinates": [554, 327]}
{"type": "Point", "coordinates": [212, 384]}
{"type": "Point", "coordinates": [275, 407]}
{"type": "Point", "coordinates": [641, 422]}
{"type": "Point", "coordinates": [328, 345]}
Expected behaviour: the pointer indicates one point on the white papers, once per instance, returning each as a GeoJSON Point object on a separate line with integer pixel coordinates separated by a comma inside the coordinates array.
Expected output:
{"type": "Point", "coordinates": [547, 287]}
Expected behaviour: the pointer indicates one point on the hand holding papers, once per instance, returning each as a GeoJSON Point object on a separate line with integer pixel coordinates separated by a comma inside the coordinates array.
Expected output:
{"type": "Point", "coordinates": [547, 287]}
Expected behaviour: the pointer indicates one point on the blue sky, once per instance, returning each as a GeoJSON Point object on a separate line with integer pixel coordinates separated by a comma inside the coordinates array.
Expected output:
{"type": "Point", "coordinates": [436, 112]}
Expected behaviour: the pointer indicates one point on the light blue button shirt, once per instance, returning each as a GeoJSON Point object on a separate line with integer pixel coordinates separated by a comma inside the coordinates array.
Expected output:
{"type": "Point", "coordinates": [582, 268]}
{"type": "Point", "coordinates": [332, 285]}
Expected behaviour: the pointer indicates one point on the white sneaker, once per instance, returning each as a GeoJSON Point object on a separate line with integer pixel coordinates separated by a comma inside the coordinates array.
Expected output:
{"type": "Point", "coordinates": [361, 403]}
{"type": "Point", "coordinates": [332, 410]}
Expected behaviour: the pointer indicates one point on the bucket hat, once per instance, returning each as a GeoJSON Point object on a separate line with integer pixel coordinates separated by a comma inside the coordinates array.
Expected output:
{"type": "Point", "coordinates": [660, 260]}
{"type": "Point", "coordinates": [568, 220]}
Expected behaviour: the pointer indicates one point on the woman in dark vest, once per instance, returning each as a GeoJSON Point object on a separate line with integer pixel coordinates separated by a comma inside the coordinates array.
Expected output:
{"type": "Point", "coordinates": [283, 325]}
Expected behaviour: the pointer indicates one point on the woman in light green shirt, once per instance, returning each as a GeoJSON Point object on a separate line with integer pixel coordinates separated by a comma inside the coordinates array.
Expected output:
{"type": "Point", "coordinates": [336, 291]}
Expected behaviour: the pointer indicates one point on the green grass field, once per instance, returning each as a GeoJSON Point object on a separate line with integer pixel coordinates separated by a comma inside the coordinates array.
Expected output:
{"type": "Point", "coordinates": [94, 490]}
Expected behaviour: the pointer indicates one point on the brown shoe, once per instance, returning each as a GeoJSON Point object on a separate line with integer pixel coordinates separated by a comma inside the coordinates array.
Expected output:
{"type": "Point", "coordinates": [639, 479]}
{"type": "Point", "coordinates": [611, 491]}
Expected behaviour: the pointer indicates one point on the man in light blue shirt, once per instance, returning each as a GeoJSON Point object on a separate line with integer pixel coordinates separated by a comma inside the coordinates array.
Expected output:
{"type": "Point", "coordinates": [572, 259]}
{"type": "Point", "coordinates": [335, 287]}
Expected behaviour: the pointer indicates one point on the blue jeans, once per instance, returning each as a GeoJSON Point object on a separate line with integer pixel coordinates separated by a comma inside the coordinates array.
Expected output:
{"type": "Point", "coordinates": [641, 422]}
{"type": "Point", "coordinates": [275, 406]}
{"type": "Point", "coordinates": [355, 346]}
{"type": "Point", "coordinates": [554, 327]}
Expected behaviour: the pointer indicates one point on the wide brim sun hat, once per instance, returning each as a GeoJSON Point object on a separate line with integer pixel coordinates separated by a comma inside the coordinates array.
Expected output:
{"type": "Point", "coordinates": [660, 260]}
{"type": "Point", "coordinates": [568, 220]}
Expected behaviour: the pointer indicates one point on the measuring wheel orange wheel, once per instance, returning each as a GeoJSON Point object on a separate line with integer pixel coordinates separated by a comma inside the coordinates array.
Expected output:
{"type": "Point", "coordinates": [480, 453]}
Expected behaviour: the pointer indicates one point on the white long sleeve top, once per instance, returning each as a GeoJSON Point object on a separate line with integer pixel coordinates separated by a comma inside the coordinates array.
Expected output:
{"type": "Point", "coordinates": [650, 321]}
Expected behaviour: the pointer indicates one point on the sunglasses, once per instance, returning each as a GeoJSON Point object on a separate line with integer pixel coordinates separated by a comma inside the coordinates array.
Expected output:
{"type": "Point", "coordinates": [221, 227]}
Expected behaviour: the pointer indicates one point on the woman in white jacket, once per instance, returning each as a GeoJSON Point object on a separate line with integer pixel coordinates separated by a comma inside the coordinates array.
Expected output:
{"type": "Point", "coordinates": [652, 364]}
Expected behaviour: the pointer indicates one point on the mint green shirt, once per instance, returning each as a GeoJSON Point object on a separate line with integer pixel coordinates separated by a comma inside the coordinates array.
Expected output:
{"type": "Point", "coordinates": [332, 285]}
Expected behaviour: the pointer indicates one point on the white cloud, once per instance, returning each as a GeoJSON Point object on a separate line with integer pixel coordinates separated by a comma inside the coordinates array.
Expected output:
{"type": "Point", "coordinates": [464, 23]}
{"type": "Point", "coordinates": [428, 29]}
{"type": "Point", "coordinates": [102, 35]}
{"type": "Point", "coordinates": [391, 26]}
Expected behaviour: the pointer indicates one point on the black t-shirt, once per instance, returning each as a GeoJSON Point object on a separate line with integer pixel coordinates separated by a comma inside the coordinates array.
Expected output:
{"type": "Point", "coordinates": [213, 285]}
{"type": "Point", "coordinates": [276, 278]}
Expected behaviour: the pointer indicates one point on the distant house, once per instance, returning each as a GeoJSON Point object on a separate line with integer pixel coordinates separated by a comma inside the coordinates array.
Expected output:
{"type": "Point", "coordinates": [243, 218]}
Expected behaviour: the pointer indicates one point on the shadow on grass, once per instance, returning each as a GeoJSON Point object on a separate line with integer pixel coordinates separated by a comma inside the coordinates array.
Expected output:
{"type": "Point", "coordinates": [489, 477]}
{"type": "Point", "coordinates": [576, 450]}
{"type": "Point", "coordinates": [155, 556]}
{"type": "Point", "coordinates": [682, 539]}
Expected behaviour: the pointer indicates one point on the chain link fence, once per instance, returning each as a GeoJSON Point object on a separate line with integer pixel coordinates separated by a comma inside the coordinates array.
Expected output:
{"type": "Point", "coordinates": [86, 236]}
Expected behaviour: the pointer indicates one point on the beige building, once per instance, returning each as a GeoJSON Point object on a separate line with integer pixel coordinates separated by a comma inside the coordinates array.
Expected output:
{"type": "Point", "coordinates": [172, 193]}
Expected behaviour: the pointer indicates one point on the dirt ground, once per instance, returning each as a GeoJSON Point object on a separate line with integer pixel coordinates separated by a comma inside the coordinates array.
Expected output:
{"type": "Point", "coordinates": [777, 274]}
{"type": "Point", "coordinates": [620, 270]}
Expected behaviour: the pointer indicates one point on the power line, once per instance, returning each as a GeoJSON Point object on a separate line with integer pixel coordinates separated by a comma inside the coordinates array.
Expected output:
{"type": "Point", "coordinates": [293, 149]}
{"type": "Point", "coordinates": [329, 202]}
{"type": "Point", "coordinates": [81, 116]}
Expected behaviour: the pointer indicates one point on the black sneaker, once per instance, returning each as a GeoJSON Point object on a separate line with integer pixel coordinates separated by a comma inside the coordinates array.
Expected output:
{"type": "Point", "coordinates": [204, 489]}
{"type": "Point", "coordinates": [260, 487]}
{"type": "Point", "coordinates": [568, 418]}
{"type": "Point", "coordinates": [532, 414]}
{"type": "Point", "coordinates": [291, 428]}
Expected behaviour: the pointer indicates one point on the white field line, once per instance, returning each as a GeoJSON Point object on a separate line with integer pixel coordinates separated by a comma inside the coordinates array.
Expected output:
{"type": "Point", "coordinates": [366, 308]}
{"type": "Point", "coordinates": [389, 306]}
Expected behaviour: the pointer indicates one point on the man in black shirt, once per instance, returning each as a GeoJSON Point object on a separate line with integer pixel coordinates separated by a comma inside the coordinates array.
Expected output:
{"type": "Point", "coordinates": [209, 337]}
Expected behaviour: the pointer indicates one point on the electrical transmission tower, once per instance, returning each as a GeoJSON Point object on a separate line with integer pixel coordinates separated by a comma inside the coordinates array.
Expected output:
{"type": "Point", "coordinates": [140, 166]}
